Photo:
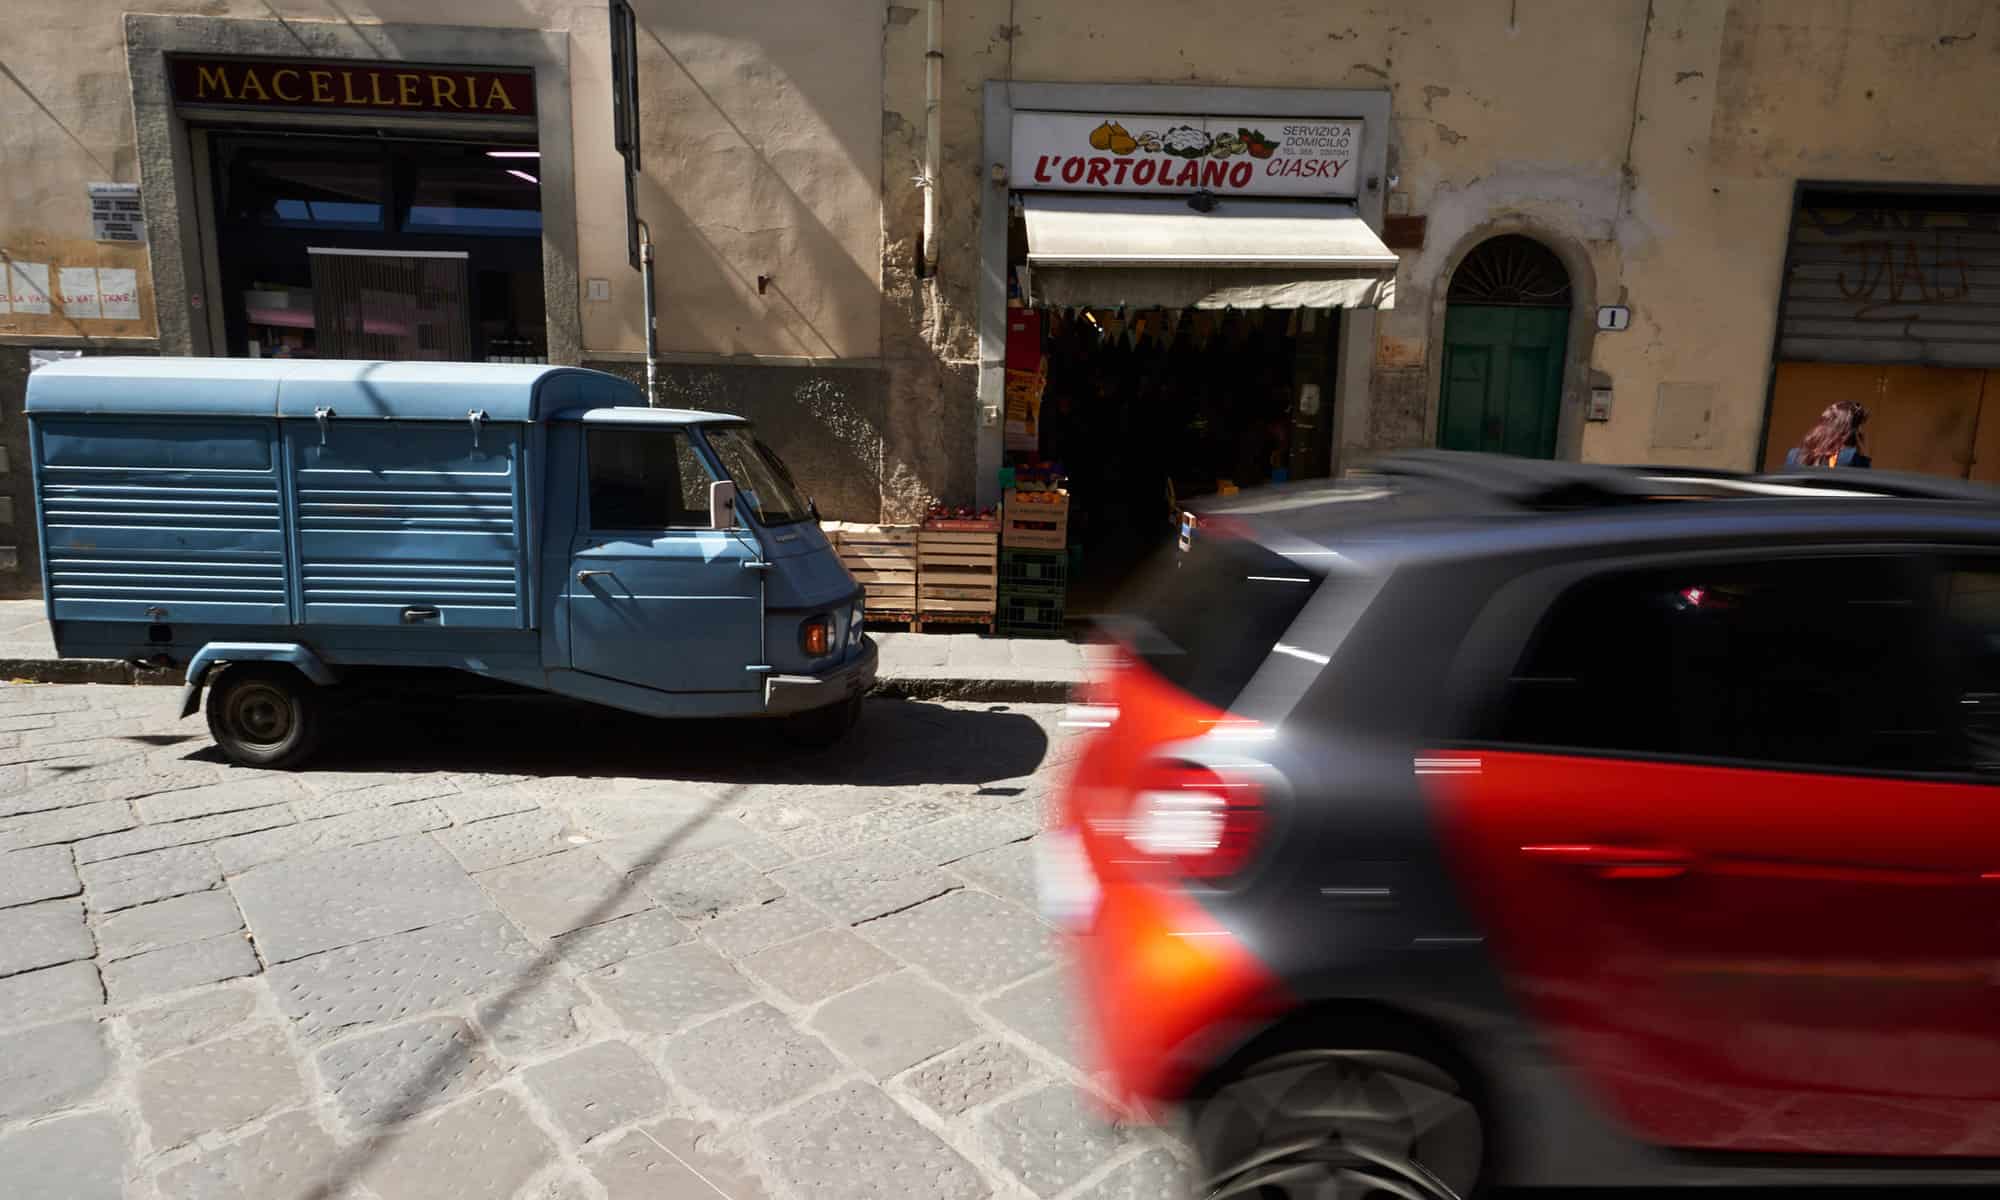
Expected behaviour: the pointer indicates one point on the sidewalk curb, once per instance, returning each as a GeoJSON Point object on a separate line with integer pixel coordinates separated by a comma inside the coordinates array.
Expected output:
{"type": "Point", "coordinates": [993, 690]}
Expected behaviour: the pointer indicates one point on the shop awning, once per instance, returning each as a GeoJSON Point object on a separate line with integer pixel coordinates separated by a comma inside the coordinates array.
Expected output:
{"type": "Point", "coordinates": [1156, 251]}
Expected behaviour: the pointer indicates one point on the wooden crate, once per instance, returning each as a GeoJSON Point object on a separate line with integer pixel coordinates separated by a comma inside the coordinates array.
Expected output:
{"type": "Point", "coordinates": [884, 559]}
{"type": "Point", "coordinates": [958, 575]}
{"type": "Point", "coordinates": [1025, 526]}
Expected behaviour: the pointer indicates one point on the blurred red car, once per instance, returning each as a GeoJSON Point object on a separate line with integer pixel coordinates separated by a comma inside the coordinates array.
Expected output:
{"type": "Point", "coordinates": [1528, 823]}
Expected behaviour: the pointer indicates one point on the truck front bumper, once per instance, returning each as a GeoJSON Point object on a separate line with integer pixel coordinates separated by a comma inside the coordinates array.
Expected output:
{"type": "Point", "coordinates": [788, 694]}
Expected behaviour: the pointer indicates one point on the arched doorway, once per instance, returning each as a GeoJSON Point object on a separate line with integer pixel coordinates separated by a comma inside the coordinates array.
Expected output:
{"type": "Point", "coordinates": [1506, 327]}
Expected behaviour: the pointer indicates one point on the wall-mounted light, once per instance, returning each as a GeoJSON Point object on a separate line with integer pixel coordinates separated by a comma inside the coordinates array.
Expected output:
{"type": "Point", "coordinates": [513, 154]}
{"type": "Point", "coordinates": [523, 175]}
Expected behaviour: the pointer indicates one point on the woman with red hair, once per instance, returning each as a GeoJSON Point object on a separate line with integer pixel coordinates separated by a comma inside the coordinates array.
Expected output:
{"type": "Point", "coordinates": [1836, 441]}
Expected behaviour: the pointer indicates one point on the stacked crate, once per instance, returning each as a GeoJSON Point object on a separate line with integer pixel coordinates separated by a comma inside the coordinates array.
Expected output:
{"type": "Point", "coordinates": [884, 559]}
{"type": "Point", "coordinates": [957, 572]}
{"type": "Point", "coordinates": [1035, 520]}
{"type": "Point", "coordinates": [1034, 562]}
{"type": "Point", "coordinates": [1032, 588]}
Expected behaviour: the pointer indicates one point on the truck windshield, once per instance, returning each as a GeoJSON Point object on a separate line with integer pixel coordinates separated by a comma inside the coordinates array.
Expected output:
{"type": "Point", "coordinates": [761, 480]}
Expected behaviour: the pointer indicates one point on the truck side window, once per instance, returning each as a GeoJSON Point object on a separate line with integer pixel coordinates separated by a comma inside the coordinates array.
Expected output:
{"type": "Point", "coordinates": [645, 479]}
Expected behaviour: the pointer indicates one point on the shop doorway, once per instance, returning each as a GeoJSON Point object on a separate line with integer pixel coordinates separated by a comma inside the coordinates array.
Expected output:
{"type": "Point", "coordinates": [1145, 411]}
{"type": "Point", "coordinates": [1506, 332]}
{"type": "Point", "coordinates": [368, 246]}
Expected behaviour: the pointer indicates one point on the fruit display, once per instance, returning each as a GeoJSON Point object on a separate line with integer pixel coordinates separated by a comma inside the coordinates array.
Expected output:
{"type": "Point", "coordinates": [959, 512]}
{"type": "Point", "coordinates": [1040, 485]}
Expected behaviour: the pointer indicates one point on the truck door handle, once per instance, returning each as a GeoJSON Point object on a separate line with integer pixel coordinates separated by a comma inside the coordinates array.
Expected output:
{"type": "Point", "coordinates": [419, 613]}
{"type": "Point", "coordinates": [1615, 861]}
{"type": "Point", "coordinates": [587, 576]}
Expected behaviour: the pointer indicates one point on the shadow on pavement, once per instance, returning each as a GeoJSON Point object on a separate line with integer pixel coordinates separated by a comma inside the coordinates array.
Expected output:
{"type": "Point", "coordinates": [350, 1167]}
{"type": "Point", "coordinates": [897, 742]}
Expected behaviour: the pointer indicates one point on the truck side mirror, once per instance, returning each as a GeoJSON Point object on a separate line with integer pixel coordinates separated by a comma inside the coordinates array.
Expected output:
{"type": "Point", "coordinates": [722, 504]}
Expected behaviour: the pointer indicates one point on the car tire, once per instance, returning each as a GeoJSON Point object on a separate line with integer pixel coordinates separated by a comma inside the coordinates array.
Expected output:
{"type": "Point", "coordinates": [823, 728]}
{"type": "Point", "coordinates": [1374, 1122]}
{"type": "Point", "coordinates": [265, 716]}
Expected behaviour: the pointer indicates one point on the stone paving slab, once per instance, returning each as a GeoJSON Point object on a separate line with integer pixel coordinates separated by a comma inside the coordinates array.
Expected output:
{"type": "Point", "coordinates": [35, 996]}
{"type": "Point", "coordinates": [173, 922]}
{"type": "Point", "coordinates": [592, 1091]}
{"type": "Point", "coordinates": [795, 976]}
{"type": "Point", "coordinates": [562, 892]}
{"type": "Point", "coordinates": [322, 901]}
{"type": "Point", "coordinates": [749, 1061]}
{"type": "Point", "coordinates": [76, 1158]}
{"type": "Point", "coordinates": [44, 873]}
{"type": "Point", "coordinates": [143, 878]}
{"type": "Point", "coordinates": [188, 1020]}
{"type": "Point", "coordinates": [389, 1075]}
{"type": "Point", "coordinates": [44, 1069]}
{"type": "Point", "coordinates": [666, 992]}
{"type": "Point", "coordinates": [893, 1024]}
{"type": "Point", "coordinates": [43, 935]}
{"type": "Point", "coordinates": [967, 940]}
{"type": "Point", "coordinates": [218, 1087]}
{"type": "Point", "coordinates": [175, 968]}
{"type": "Point", "coordinates": [390, 978]}
{"type": "Point", "coordinates": [857, 1144]}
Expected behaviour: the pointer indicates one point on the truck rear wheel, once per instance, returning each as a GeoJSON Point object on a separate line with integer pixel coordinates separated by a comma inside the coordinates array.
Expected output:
{"type": "Point", "coordinates": [265, 716]}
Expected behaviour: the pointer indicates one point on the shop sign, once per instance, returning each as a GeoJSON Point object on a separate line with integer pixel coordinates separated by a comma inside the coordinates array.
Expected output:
{"type": "Point", "coordinates": [328, 84]}
{"type": "Point", "coordinates": [1249, 156]}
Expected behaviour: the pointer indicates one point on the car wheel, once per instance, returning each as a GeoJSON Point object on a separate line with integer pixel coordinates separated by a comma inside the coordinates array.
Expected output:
{"type": "Point", "coordinates": [824, 727]}
{"type": "Point", "coordinates": [1339, 1125]}
{"type": "Point", "coordinates": [265, 716]}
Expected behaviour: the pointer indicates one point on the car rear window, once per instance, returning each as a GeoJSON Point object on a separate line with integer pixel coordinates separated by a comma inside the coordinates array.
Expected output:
{"type": "Point", "coordinates": [1206, 618]}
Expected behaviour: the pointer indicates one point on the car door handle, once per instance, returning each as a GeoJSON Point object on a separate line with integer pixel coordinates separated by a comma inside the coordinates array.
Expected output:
{"type": "Point", "coordinates": [1614, 861]}
{"type": "Point", "coordinates": [587, 576]}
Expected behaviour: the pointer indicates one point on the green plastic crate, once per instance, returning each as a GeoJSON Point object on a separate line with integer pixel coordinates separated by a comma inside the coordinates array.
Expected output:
{"type": "Point", "coordinates": [1031, 616]}
{"type": "Point", "coordinates": [1036, 572]}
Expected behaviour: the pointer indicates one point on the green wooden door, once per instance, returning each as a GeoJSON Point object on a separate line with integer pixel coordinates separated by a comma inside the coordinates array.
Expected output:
{"type": "Point", "coordinates": [1503, 369]}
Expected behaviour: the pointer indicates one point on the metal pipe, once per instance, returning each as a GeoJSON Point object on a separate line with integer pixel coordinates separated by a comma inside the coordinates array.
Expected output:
{"type": "Point", "coordinates": [933, 95]}
{"type": "Point", "coordinates": [652, 318]}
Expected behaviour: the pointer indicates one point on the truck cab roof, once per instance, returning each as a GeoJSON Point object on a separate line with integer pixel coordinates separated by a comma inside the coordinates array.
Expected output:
{"type": "Point", "coordinates": [305, 388]}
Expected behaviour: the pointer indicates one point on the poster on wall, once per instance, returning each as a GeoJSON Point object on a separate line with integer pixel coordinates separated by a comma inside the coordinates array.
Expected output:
{"type": "Point", "coordinates": [1176, 155]}
{"type": "Point", "coordinates": [77, 289]}
{"type": "Point", "coordinates": [118, 288]}
{"type": "Point", "coordinates": [28, 288]}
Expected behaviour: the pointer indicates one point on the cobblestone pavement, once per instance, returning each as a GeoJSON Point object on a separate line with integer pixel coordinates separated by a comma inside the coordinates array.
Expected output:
{"type": "Point", "coordinates": [526, 949]}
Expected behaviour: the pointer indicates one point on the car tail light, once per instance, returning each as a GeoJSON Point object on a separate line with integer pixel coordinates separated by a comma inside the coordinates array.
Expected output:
{"type": "Point", "coordinates": [1203, 823]}
{"type": "Point", "coordinates": [816, 636]}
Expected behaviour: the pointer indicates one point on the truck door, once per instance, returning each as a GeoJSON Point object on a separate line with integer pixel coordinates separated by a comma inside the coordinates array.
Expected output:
{"type": "Point", "coordinates": [656, 597]}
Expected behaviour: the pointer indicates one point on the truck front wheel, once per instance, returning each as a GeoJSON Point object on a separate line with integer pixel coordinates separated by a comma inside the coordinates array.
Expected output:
{"type": "Point", "coordinates": [824, 727]}
{"type": "Point", "coordinates": [265, 716]}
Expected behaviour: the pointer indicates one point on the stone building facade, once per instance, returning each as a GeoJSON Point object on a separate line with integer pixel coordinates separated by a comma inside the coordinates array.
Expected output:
{"type": "Point", "coordinates": [1746, 206]}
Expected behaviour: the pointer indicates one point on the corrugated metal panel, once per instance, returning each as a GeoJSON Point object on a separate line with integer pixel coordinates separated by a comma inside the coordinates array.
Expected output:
{"type": "Point", "coordinates": [1893, 285]}
{"type": "Point", "coordinates": [175, 522]}
{"type": "Point", "coordinates": [395, 516]}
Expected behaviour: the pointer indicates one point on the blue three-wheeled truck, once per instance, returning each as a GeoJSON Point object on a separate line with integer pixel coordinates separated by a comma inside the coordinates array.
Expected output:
{"type": "Point", "coordinates": [281, 528]}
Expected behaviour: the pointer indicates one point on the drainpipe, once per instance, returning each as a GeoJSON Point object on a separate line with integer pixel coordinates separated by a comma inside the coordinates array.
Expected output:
{"type": "Point", "coordinates": [933, 92]}
{"type": "Point", "coordinates": [652, 321]}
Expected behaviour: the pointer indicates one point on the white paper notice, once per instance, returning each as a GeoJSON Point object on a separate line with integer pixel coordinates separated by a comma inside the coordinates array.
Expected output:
{"type": "Point", "coordinates": [77, 287]}
{"type": "Point", "coordinates": [28, 287]}
{"type": "Point", "coordinates": [119, 287]}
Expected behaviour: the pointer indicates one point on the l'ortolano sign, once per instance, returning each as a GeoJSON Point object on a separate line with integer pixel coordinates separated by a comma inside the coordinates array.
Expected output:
{"type": "Point", "coordinates": [1250, 156]}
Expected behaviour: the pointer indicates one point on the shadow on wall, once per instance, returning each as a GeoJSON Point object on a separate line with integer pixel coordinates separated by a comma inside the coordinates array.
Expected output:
{"type": "Point", "coordinates": [789, 234]}
{"type": "Point", "coordinates": [825, 422]}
